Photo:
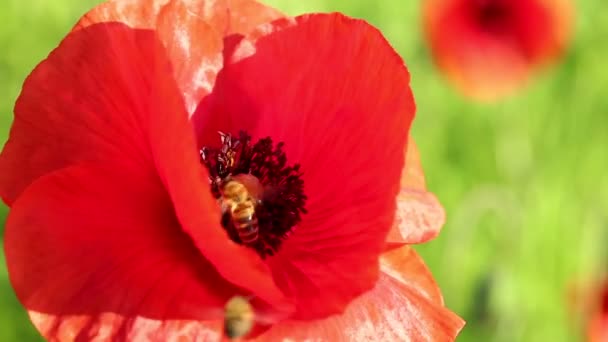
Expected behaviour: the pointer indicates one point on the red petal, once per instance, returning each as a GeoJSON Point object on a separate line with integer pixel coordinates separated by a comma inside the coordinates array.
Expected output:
{"type": "Point", "coordinates": [107, 94]}
{"type": "Point", "coordinates": [391, 311]}
{"type": "Point", "coordinates": [245, 15]}
{"type": "Point", "coordinates": [192, 32]}
{"type": "Point", "coordinates": [488, 62]}
{"type": "Point", "coordinates": [412, 176]}
{"type": "Point", "coordinates": [66, 328]}
{"type": "Point", "coordinates": [193, 46]}
{"type": "Point", "coordinates": [225, 16]}
{"type": "Point", "coordinates": [420, 216]}
{"type": "Point", "coordinates": [90, 240]}
{"type": "Point", "coordinates": [338, 95]}
{"type": "Point", "coordinates": [87, 101]}
{"type": "Point", "coordinates": [406, 266]}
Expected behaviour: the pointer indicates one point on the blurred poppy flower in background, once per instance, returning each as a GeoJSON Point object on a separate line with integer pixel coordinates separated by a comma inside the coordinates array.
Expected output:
{"type": "Point", "coordinates": [489, 48]}
{"type": "Point", "coordinates": [590, 300]}
{"type": "Point", "coordinates": [597, 330]}
{"type": "Point", "coordinates": [115, 230]}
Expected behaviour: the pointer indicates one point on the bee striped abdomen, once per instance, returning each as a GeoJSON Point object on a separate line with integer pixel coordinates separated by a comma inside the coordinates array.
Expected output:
{"type": "Point", "coordinates": [241, 205]}
{"type": "Point", "coordinates": [245, 222]}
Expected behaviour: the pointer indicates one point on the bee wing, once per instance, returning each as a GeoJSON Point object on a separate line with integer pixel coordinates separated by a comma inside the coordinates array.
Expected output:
{"type": "Point", "coordinates": [263, 315]}
{"type": "Point", "coordinates": [268, 318]}
{"type": "Point", "coordinates": [223, 136]}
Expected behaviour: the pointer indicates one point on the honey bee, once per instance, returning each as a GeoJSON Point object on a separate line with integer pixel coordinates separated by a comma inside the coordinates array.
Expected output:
{"type": "Point", "coordinates": [239, 317]}
{"type": "Point", "coordinates": [239, 200]}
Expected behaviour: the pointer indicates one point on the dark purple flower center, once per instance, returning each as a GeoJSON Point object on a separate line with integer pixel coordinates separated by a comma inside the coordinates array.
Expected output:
{"type": "Point", "coordinates": [493, 15]}
{"type": "Point", "coordinates": [262, 198]}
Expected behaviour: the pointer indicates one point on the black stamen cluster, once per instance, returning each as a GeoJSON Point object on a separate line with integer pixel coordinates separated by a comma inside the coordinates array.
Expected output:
{"type": "Point", "coordinates": [283, 200]}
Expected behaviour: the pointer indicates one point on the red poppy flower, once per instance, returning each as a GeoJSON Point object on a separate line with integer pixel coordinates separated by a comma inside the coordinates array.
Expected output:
{"type": "Point", "coordinates": [121, 225]}
{"type": "Point", "coordinates": [597, 330]}
{"type": "Point", "coordinates": [488, 48]}
{"type": "Point", "coordinates": [590, 299]}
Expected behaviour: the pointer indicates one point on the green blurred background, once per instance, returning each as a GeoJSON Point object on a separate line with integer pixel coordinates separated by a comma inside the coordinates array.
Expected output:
{"type": "Point", "coordinates": [524, 182]}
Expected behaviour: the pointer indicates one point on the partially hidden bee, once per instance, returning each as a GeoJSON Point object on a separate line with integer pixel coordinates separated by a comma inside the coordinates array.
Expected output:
{"type": "Point", "coordinates": [239, 199]}
{"type": "Point", "coordinates": [239, 317]}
